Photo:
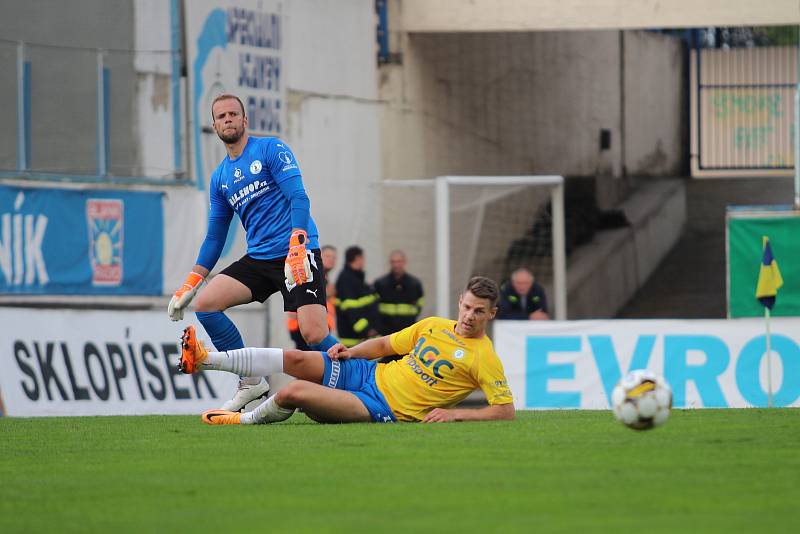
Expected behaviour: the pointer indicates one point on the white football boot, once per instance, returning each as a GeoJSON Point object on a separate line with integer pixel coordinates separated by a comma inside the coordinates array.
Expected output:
{"type": "Point", "coordinates": [246, 393]}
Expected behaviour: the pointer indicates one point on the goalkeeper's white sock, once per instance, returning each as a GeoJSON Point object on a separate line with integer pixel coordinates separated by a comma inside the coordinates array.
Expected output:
{"type": "Point", "coordinates": [266, 412]}
{"type": "Point", "coordinates": [246, 362]}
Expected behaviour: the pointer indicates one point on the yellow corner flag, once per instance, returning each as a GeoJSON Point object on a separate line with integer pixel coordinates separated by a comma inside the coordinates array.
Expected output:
{"type": "Point", "coordinates": [769, 278]}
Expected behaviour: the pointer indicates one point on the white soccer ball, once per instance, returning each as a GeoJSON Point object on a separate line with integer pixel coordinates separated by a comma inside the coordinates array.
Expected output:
{"type": "Point", "coordinates": [641, 400]}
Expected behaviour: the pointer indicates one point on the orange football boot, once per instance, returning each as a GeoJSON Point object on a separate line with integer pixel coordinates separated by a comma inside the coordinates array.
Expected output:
{"type": "Point", "coordinates": [221, 417]}
{"type": "Point", "coordinates": [193, 353]}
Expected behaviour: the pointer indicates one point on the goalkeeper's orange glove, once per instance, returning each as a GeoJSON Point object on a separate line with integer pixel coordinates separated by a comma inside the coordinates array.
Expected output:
{"type": "Point", "coordinates": [297, 268]}
{"type": "Point", "coordinates": [184, 295]}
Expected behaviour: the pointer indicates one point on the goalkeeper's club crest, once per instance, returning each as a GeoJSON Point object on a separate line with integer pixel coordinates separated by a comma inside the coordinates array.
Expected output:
{"type": "Point", "coordinates": [105, 219]}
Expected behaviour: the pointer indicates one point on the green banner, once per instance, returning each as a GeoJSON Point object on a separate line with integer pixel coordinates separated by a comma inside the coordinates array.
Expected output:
{"type": "Point", "coordinates": [745, 230]}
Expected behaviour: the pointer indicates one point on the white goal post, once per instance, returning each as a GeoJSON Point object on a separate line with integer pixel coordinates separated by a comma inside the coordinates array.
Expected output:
{"type": "Point", "coordinates": [443, 184]}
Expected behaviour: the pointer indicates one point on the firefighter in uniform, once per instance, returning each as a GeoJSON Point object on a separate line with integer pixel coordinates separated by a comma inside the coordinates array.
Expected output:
{"type": "Point", "coordinates": [401, 296]}
{"type": "Point", "coordinates": [356, 301]}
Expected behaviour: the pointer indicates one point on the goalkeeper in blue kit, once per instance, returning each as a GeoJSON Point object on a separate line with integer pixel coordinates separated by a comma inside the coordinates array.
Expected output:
{"type": "Point", "coordinates": [260, 181]}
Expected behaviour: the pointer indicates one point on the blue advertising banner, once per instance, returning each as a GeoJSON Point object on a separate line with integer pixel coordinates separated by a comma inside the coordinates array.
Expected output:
{"type": "Point", "coordinates": [80, 242]}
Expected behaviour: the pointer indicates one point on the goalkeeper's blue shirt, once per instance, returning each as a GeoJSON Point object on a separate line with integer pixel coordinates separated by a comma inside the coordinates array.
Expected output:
{"type": "Point", "coordinates": [263, 186]}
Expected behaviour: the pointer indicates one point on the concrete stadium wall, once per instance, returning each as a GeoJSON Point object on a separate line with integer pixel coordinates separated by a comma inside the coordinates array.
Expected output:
{"type": "Point", "coordinates": [154, 99]}
{"type": "Point", "coordinates": [535, 103]}
{"type": "Point", "coordinates": [655, 104]}
{"type": "Point", "coordinates": [503, 103]}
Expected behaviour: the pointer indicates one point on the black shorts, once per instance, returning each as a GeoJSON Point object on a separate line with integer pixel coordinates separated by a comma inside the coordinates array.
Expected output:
{"type": "Point", "coordinates": [265, 277]}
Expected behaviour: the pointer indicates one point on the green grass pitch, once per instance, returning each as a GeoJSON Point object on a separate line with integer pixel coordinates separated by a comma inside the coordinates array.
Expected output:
{"type": "Point", "coordinates": [555, 471]}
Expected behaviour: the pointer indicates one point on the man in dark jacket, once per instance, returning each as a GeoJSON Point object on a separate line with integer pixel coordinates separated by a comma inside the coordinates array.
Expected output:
{"type": "Point", "coordinates": [401, 296]}
{"type": "Point", "coordinates": [523, 298]}
{"type": "Point", "coordinates": [356, 301]}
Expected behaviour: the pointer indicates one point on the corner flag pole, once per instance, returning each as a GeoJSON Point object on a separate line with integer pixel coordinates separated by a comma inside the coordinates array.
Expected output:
{"type": "Point", "coordinates": [769, 281]}
{"type": "Point", "coordinates": [769, 359]}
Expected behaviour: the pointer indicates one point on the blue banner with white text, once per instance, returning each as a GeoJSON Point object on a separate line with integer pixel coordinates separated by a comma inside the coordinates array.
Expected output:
{"type": "Point", "coordinates": [80, 242]}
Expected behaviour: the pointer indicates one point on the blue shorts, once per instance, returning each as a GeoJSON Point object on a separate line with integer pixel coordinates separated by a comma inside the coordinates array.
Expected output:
{"type": "Point", "coordinates": [357, 376]}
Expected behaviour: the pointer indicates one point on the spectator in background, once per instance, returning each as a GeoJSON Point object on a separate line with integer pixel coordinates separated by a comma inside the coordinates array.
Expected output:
{"type": "Point", "coordinates": [523, 298]}
{"type": "Point", "coordinates": [328, 253]}
{"type": "Point", "coordinates": [401, 296]}
{"type": "Point", "coordinates": [356, 301]}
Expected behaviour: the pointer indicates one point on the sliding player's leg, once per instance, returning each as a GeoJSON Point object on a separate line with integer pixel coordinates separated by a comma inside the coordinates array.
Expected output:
{"type": "Point", "coordinates": [320, 403]}
{"type": "Point", "coordinates": [306, 365]}
{"type": "Point", "coordinates": [348, 394]}
{"type": "Point", "coordinates": [329, 391]}
{"type": "Point", "coordinates": [323, 404]}
{"type": "Point", "coordinates": [250, 361]}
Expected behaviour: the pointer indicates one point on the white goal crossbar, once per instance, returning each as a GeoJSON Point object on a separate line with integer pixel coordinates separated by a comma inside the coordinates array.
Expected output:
{"type": "Point", "coordinates": [443, 268]}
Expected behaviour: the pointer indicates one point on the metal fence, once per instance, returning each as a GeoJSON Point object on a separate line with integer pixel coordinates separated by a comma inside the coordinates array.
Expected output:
{"type": "Point", "coordinates": [75, 114]}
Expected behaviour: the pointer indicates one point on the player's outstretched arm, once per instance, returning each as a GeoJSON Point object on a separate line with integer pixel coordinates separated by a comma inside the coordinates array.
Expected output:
{"type": "Point", "coordinates": [489, 413]}
{"type": "Point", "coordinates": [369, 349]}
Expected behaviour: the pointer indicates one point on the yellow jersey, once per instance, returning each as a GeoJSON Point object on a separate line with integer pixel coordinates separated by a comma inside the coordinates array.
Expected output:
{"type": "Point", "coordinates": [439, 370]}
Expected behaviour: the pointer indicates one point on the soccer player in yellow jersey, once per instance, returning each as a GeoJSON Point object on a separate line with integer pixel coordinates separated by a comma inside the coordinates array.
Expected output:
{"type": "Point", "coordinates": [444, 361]}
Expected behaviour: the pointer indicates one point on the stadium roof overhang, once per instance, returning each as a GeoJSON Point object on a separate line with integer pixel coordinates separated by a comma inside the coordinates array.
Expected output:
{"type": "Point", "coordinates": [541, 15]}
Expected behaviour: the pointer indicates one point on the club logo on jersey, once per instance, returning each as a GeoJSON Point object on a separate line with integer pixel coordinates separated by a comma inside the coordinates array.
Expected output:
{"type": "Point", "coordinates": [458, 354]}
{"type": "Point", "coordinates": [287, 159]}
{"type": "Point", "coordinates": [105, 219]}
{"type": "Point", "coordinates": [255, 167]}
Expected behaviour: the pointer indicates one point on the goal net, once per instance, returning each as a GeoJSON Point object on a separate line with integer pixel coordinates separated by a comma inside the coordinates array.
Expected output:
{"type": "Point", "coordinates": [455, 227]}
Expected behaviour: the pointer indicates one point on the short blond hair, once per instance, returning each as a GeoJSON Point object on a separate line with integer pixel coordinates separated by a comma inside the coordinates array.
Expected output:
{"type": "Point", "coordinates": [227, 96]}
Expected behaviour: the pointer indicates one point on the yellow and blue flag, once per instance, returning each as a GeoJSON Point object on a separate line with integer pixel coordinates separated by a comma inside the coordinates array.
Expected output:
{"type": "Point", "coordinates": [769, 278]}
